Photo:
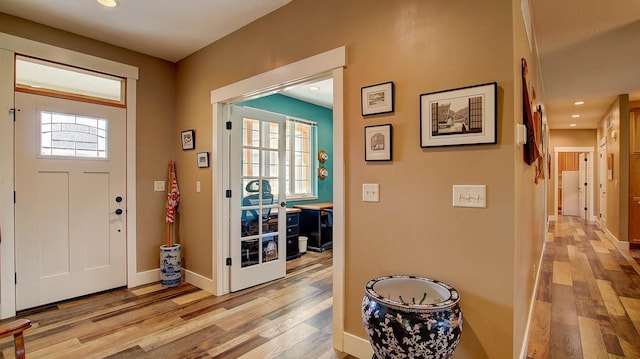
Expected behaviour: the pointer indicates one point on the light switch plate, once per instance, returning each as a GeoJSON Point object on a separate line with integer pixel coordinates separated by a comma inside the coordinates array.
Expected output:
{"type": "Point", "coordinates": [158, 186]}
{"type": "Point", "coordinates": [370, 192]}
{"type": "Point", "coordinates": [197, 186]}
{"type": "Point", "coordinates": [474, 196]}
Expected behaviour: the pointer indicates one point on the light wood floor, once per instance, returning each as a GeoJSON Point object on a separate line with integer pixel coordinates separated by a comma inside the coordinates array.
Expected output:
{"type": "Point", "coordinates": [288, 318]}
{"type": "Point", "coordinates": [588, 299]}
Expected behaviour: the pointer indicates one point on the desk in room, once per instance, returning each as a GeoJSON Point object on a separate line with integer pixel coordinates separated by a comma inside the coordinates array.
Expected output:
{"type": "Point", "coordinates": [316, 223]}
{"type": "Point", "coordinates": [293, 221]}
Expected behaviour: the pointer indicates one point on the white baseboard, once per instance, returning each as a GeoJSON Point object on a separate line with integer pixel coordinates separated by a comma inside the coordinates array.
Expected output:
{"type": "Point", "coordinates": [199, 281]}
{"type": "Point", "coordinates": [146, 277]}
{"type": "Point", "coordinates": [523, 348]}
{"type": "Point", "coordinates": [622, 245]}
{"type": "Point", "coordinates": [153, 276]}
{"type": "Point", "coordinates": [356, 346]}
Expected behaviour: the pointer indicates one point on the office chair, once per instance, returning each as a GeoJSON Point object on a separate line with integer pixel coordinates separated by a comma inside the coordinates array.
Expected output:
{"type": "Point", "coordinates": [16, 328]}
{"type": "Point", "coordinates": [250, 217]}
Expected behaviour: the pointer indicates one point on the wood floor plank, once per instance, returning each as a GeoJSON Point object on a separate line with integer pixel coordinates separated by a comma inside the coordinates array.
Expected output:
{"type": "Point", "coordinates": [281, 343]}
{"type": "Point", "coordinates": [538, 347]}
{"type": "Point", "coordinates": [611, 299]}
{"type": "Point", "coordinates": [593, 346]}
{"type": "Point", "coordinates": [632, 307]}
{"type": "Point", "coordinates": [562, 273]}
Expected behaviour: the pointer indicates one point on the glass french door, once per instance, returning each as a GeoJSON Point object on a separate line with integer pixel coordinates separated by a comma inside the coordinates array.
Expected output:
{"type": "Point", "coordinates": [258, 213]}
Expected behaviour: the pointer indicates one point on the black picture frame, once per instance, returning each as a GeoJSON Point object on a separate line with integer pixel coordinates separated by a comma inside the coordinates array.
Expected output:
{"type": "Point", "coordinates": [378, 143]}
{"type": "Point", "coordinates": [461, 116]}
{"type": "Point", "coordinates": [188, 139]}
{"type": "Point", "coordinates": [202, 159]}
{"type": "Point", "coordinates": [377, 99]}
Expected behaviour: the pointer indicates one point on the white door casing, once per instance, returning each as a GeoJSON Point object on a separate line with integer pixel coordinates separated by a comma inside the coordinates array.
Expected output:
{"type": "Point", "coordinates": [590, 178]}
{"type": "Point", "coordinates": [582, 184]}
{"type": "Point", "coordinates": [602, 184]}
{"type": "Point", "coordinates": [70, 212]}
{"type": "Point", "coordinates": [258, 220]}
{"type": "Point", "coordinates": [9, 46]}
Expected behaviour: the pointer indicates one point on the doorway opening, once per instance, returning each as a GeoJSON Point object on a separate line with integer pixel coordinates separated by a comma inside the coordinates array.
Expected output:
{"type": "Point", "coordinates": [322, 66]}
{"type": "Point", "coordinates": [574, 179]}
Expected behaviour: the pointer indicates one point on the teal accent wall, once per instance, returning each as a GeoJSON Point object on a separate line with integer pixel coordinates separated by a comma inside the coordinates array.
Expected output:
{"type": "Point", "coordinates": [304, 110]}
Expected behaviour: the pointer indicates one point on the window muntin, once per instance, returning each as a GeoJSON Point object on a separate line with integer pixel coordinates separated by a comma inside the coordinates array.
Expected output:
{"type": "Point", "coordinates": [39, 76]}
{"type": "Point", "coordinates": [68, 135]}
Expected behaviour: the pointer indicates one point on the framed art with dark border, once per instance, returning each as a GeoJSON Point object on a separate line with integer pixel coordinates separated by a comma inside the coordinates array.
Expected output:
{"type": "Point", "coordinates": [377, 99]}
{"type": "Point", "coordinates": [203, 159]}
{"type": "Point", "coordinates": [462, 116]}
{"type": "Point", "coordinates": [378, 143]}
{"type": "Point", "coordinates": [188, 139]}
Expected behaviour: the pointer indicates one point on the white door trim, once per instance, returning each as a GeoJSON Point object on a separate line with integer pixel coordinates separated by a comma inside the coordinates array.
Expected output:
{"type": "Point", "coordinates": [590, 177]}
{"type": "Point", "coordinates": [9, 45]}
{"type": "Point", "coordinates": [328, 64]}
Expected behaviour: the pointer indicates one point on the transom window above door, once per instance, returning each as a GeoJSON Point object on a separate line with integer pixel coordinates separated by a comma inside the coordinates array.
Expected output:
{"type": "Point", "coordinates": [57, 80]}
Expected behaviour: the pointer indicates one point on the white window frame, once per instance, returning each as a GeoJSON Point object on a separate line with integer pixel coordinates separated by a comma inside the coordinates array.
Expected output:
{"type": "Point", "coordinates": [291, 169]}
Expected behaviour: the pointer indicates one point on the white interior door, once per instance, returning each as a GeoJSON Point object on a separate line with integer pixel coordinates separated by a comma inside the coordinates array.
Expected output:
{"type": "Point", "coordinates": [570, 193]}
{"type": "Point", "coordinates": [258, 213]}
{"type": "Point", "coordinates": [582, 185]}
{"type": "Point", "coordinates": [602, 185]}
{"type": "Point", "coordinates": [70, 199]}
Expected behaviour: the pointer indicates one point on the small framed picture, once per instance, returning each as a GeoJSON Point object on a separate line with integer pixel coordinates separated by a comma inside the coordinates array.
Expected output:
{"type": "Point", "coordinates": [203, 159]}
{"type": "Point", "coordinates": [377, 99]}
{"type": "Point", "coordinates": [188, 139]}
{"type": "Point", "coordinates": [377, 143]}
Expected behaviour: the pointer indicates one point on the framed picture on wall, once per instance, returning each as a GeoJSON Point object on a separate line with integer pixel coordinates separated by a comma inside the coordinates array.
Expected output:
{"type": "Point", "coordinates": [202, 159]}
{"type": "Point", "coordinates": [377, 99]}
{"type": "Point", "coordinates": [462, 116]}
{"type": "Point", "coordinates": [378, 143]}
{"type": "Point", "coordinates": [188, 139]}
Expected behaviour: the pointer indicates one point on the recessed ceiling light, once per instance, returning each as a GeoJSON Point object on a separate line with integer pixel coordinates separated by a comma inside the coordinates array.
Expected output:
{"type": "Point", "coordinates": [575, 116]}
{"type": "Point", "coordinates": [573, 125]}
{"type": "Point", "coordinates": [314, 88]}
{"type": "Point", "coordinates": [108, 3]}
{"type": "Point", "coordinates": [579, 103]}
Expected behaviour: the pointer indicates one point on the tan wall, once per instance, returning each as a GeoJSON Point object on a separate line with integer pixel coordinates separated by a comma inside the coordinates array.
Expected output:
{"type": "Point", "coordinates": [572, 138]}
{"type": "Point", "coordinates": [618, 187]}
{"type": "Point", "coordinates": [157, 137]}
{"type": "Point", "coordinates": [413, 229]}
{"type": "Point", "coordinates": [529, 197]}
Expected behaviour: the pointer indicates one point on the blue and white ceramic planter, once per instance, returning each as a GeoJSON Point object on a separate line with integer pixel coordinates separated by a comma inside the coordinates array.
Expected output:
{"type": "Point", "coordinates": [411, 317]}
{"type": "Point", "coordinates": [170, 266]}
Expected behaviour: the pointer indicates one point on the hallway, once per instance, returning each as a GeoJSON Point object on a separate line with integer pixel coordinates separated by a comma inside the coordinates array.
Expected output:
{"type": "Point", "coordinates": [588, 297]}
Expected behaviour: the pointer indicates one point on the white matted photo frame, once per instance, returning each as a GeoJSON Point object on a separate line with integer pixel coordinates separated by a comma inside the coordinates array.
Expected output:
{"type": "Point", "coordinates": [188, 139]}
{"type": "Point", "coordinates": [202, 158]}
{"type": "Point", "coordinates": [377, 99]}
{"type": "Point", "coordinates": [462, 116]}
{"type": "Point", "coordinates": [378, 142]}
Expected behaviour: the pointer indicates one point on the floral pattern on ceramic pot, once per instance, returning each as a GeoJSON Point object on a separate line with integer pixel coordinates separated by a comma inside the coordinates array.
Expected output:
{"type": "Point", "coordinates": [409, 317]}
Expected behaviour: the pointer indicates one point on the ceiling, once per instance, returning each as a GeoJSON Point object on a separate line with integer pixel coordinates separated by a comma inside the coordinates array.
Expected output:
{"type": "Point", "coordinates": [589, 49]}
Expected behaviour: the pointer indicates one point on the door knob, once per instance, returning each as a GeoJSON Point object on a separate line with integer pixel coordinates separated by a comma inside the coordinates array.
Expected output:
{"type": "Point", "coordinates": [118, 199]}
{"type": "Point", "coordinates": [117, 211]}
{"type": "Point", "coordinates": [283, 204]}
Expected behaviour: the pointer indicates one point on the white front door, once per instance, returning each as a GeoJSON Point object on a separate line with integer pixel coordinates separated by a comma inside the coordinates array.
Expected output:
{"type": "Point", "coordinates": [582, 185]}
{"type": "Point", "coordinates": [70, 206]}
{"type": "Point", "coordinates": [258, 214]}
